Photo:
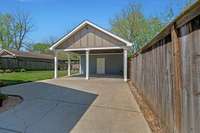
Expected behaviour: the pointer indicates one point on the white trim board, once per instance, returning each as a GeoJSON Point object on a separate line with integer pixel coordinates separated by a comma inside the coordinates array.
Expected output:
{"type": "Point", "coordinates": [105, 54]}
{"type": "Point", "coordinates": [93, 25]}
{"type": "Point", "coordinates": [88, 49]}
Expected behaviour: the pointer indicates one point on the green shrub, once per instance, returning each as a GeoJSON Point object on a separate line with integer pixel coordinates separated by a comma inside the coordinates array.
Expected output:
{"type": "Point", "coordinates": [3, 97]}
{"type": "Point", "coordinates": [1, 71]}
{"type": "Point", "coordinates": [1, 83]}
{"type": "Point", "coordinates": [17, 70]}
{"type": "Point", "coordinates": [22, 70]}
{"type": "Point", "coordinates": [8, 71]}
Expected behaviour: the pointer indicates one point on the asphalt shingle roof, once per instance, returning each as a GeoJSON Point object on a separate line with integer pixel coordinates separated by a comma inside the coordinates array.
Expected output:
{"type": "Point", "coordinates": [16, 53]}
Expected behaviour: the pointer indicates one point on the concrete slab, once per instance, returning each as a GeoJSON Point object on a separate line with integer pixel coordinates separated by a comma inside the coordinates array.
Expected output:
{"type": "Point", "coordinates": [100, 105]}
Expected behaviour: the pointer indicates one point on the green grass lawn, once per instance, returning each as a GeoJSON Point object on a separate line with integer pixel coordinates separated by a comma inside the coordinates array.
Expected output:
{"type": "Point", "coordinates": [29, 76]}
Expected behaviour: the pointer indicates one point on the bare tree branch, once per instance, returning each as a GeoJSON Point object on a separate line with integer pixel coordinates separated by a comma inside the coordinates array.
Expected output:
{"type": "Point", "coordinates": [22, 26]}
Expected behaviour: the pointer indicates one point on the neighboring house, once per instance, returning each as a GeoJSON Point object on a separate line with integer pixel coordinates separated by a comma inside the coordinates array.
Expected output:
{"type": "Point", "coordinates": [12, 59]}
{"type": "Point", "coordinates": [15, 54]}
{"type": "Point", "coordinates": [101, 52]}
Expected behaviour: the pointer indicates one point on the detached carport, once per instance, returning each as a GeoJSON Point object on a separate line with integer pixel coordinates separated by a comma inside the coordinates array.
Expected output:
{"type": "Point", "coordinates": [101, 52]}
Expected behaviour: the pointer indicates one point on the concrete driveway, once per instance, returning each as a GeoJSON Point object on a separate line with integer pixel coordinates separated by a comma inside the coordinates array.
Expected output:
{"type": "Point", "coordinates": [102, 105]}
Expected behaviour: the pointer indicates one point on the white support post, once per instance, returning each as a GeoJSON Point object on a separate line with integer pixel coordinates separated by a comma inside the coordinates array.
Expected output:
{"type": "Point", "coordinates": [80, 69]}
{"type": "Point", "coordinates": [87, 64]}
{"type": "Point", "coordinates": [55, 65]}
{"type": "Point", "coordinates": [125, 64]}
{"type": "Point", "coordinates": [69, 65]}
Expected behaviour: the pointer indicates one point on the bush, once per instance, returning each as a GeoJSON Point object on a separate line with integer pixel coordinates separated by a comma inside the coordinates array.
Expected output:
{"type": "Point", "coordinates": [1, 71]}
{"type": "Point", "coordinates": [3, 97]}
{"type": "Point", "coordinates": [22, 70]}
{"type": "Point", "coordinates": [17, 70]}
{"type": "Point", "coordinates": [1, 83]}
{"type": "Point", "coordinates": [8, 71]}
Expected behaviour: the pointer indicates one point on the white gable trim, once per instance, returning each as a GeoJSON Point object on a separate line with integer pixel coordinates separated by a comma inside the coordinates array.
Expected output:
{"type": "Point", "coordinates": [93, 25]}
{"type": "Point", "coordinates": [4, 50]}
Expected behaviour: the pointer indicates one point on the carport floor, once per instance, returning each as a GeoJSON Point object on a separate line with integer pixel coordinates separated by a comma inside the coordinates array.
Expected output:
{"type": "Point", "coordinates": [99, 105]}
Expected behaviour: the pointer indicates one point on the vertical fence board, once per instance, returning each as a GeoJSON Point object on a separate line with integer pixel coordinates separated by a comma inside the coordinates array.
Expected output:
{"type": "Point", "coordinates": [34, 64]}
{"type": "Point", "coordinates": [170, 82]}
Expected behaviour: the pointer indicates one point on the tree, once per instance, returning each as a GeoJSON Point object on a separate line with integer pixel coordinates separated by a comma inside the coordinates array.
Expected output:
{"type": "Point", "coordinates": [14, 30]}
{"type": "Point", "coordinates": [128, 24]}
{"type": "Point", "coordinates": [131, 24]}
{"type": "Point", "coordinates": [154, 27]}
{"type": "Point", "coordinates": [51, 40]}
{"type": "Point", "coordinates": [6, 37]}
{"type": "Point", "coordinates": [21, 27]}
{"type": "Point", "coordinates": [169, 16]}
{"type": "Point", "coordinates": [41, 48]}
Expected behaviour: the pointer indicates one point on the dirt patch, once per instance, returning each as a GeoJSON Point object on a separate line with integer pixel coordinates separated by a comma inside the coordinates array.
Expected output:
{"type": "Point", "coordinates": [10, 102]}
{"type": "Point", "coordinates": [149, 115]}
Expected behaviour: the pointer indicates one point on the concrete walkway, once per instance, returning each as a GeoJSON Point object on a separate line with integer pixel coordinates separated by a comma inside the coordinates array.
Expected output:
{"type": "Point", "coordinates": [74, 105]}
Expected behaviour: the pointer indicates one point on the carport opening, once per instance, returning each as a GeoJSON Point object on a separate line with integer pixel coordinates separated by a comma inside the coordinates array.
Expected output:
{"type": "Point", "coordinates": [102, 63]}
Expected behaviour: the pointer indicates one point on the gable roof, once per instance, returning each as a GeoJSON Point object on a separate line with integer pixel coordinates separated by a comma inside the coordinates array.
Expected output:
{"type": "Point", "coordinates": [16, 53]}
{"type": "Point", "coordinates": [7, 52]}
{"type": "Point", "coordinates": [93, 25]}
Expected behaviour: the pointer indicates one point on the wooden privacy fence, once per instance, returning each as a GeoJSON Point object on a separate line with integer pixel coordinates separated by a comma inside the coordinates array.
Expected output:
{"type": "Point", "coordinates": [166, 73]}
{"type": "Point", "coordinates": [34, 64]}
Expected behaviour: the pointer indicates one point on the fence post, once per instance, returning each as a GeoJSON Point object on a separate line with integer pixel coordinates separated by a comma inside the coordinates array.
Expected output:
{"type": "Point", "coordinates": [177, 78]}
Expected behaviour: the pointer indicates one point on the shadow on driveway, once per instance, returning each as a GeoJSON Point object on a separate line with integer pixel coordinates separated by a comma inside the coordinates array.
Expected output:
{"type": "Point", "coordinates": [46, 108]}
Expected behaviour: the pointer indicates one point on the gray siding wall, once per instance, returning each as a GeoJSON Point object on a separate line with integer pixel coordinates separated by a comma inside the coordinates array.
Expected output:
{"type": "Point", "coordinates": [113, 63]}
{"type": "Point", "coordinates": [90, 37]}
